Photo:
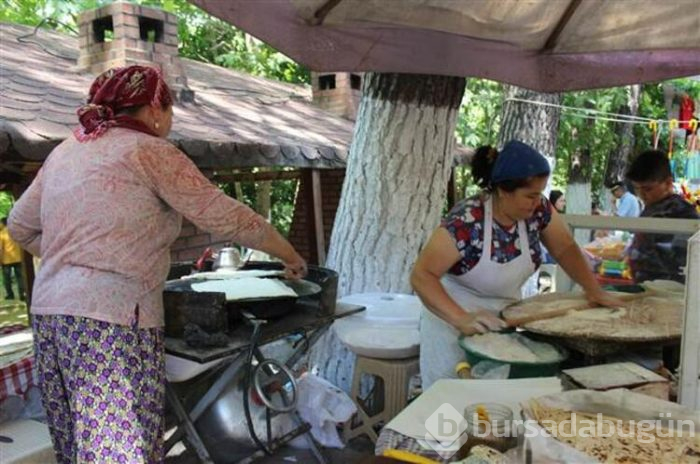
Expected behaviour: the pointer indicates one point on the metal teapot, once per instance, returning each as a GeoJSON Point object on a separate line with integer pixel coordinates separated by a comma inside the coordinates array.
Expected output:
{"type": "Point", "coordinates": [227, 258]}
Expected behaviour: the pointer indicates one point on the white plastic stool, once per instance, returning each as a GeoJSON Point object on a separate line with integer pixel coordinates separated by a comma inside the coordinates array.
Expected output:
{"type": "Point", "coordinates": [396, 374]}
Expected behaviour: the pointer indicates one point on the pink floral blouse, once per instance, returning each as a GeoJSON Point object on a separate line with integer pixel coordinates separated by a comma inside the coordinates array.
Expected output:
{"type": "Point", "coordinates": [102, 216]}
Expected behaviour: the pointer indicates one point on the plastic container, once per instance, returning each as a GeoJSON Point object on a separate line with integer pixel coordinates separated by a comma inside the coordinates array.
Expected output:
{"type": "Point", "coordinates": [518, 370]}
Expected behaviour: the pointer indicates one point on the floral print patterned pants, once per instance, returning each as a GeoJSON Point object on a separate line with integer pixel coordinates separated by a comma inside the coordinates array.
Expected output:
{"type": "Point", "coordinates": [103, 388]}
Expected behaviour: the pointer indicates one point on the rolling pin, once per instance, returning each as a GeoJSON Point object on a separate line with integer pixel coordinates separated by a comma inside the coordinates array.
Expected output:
{"type": "Point", "coordinates": [518, 321]}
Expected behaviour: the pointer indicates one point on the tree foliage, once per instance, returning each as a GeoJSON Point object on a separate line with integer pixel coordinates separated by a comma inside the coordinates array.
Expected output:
{"type": "Point", "coordinates": [479, 123]}
{"type": "Point", "coordinates": [6, 202]}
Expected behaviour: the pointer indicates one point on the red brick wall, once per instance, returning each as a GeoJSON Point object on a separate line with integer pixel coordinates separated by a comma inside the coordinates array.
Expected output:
{"type": "Point", "coordinates": [192, 241]}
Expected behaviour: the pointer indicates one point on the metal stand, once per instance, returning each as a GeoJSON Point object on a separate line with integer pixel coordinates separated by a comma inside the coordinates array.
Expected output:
{"type": "Point", "coordinates": [271, 368]}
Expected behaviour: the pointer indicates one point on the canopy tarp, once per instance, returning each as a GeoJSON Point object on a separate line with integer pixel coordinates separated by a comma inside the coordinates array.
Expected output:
{"type": "Point", "coordinates": [544, 45]}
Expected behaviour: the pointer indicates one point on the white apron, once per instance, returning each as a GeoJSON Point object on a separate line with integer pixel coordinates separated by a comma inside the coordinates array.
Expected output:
{"type": "Point", "coordinates": [488, 285]}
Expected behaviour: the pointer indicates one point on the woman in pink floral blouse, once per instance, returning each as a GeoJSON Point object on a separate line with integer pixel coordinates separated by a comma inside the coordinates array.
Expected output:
{"type": "Point", "coordinates": [102, 214]}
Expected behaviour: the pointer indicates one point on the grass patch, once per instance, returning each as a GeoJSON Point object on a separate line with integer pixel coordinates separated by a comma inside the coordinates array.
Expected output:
{"type": "Point", "coordinates": [13, 312]}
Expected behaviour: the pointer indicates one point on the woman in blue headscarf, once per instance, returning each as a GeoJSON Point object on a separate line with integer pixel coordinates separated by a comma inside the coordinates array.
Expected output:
{"type": "Point", "coordinates": [476, 262]}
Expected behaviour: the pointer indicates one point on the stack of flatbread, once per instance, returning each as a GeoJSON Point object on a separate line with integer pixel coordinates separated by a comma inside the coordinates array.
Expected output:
{"type": "Point", "coordinates": [617, 440]}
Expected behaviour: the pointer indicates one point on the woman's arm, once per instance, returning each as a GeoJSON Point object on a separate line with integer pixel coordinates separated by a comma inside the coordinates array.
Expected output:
{"type": "Point", "coordinates": [436, 258]}
{"type": "Point", "coordinates": [274, 244]}
{"type": "Point", "coordinates": [24, 222]}
{"type": "Point", "coordinates": [561, 245]}
{"type": "Point", "coordinates": [176, 180]}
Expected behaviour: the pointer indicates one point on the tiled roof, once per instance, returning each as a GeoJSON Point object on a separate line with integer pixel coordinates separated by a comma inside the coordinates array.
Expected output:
{"type": "Point", "coordinates": [237, 120]}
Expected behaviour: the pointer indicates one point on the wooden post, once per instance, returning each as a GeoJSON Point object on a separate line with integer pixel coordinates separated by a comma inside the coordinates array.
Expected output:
{"type": "Point", "coordinates": [318, 216]}
{"type": "Point", "coordinates": [28, 277]}
{"type": "Point", "coordinates": [314, 216]}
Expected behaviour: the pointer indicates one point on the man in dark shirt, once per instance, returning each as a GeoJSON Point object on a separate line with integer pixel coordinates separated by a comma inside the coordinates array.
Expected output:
{"type": "Point", "coordinates": [658, 256]}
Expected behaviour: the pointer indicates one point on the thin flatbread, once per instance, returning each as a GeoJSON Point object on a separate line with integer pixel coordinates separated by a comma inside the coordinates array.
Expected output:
{"type": "Point", "coordinates": [222, 274]}
{"type": "Point", "coordinates": [245, 288]}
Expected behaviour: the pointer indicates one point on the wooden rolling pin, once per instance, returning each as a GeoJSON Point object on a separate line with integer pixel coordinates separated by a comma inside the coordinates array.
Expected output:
{"type": "Point", "coordinates": [518, 321]}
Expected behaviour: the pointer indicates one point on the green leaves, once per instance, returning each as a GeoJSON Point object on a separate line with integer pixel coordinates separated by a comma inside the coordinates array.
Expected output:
{"type": "Point", "coordinates": [202, 37]}
{"type": "Point", "coordinates": [6, 203]}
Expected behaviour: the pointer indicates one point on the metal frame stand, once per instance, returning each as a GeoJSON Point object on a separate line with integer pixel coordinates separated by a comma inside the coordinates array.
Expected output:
{"type": "Point", "coordinates": [185, 426]}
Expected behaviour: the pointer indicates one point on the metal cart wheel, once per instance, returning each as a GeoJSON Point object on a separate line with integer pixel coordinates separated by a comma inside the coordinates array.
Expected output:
{"type": "Point", "coordinates": [275, 386]}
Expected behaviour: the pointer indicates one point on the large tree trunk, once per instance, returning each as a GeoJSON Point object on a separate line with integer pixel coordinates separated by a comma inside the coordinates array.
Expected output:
{"type": "Point", "coordinates": [536, 125]}
{"type": "Point", "coordinates": [393, 195]}
{"type": "Point", "coordinates": [619, 157]}
{"type": "Point", "coordinates": [396, 179]}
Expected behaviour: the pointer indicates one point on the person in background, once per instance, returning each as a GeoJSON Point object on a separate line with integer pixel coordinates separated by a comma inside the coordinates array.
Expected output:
{"type": "Point", "coordinates": [11, 258]}
{"type": "Point", "coordinates": [658, 256]}
{"type": "Point", "coordinates": [596, 211]}
{"type": "Point", "coordinates": [102, 213]}
{"type": "Point", "coordinates": [558, 200]}
{"type": "Point", "coordinates": [626, 204]}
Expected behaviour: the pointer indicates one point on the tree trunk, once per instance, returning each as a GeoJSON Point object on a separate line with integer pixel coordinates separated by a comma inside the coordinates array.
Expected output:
{"type": "Point", "coordinates": [536, 125]}
{"type": "Point", "coordinates": [393, 194]}
{"type": "Point", "coordinates": [395, 181]}
{"type": "Point", "coordinates": [619, 157]}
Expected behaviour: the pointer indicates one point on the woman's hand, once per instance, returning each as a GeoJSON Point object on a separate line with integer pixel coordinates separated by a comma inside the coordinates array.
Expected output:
{"type": "Point", "coordinates": [603, 298]}
{"type": "Point", "coordinates": [295, 268]}
{"type": "Point", "coordinates": [479, 322]}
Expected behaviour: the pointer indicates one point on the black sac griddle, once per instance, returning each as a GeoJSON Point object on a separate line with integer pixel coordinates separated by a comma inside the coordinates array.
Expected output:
{"type": "Point", "coordinates": [210, 313]}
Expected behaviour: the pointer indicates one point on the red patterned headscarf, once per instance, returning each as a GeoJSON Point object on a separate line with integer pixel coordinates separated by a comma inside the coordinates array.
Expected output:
{"type": "Point", "coordinates": [118, 89]}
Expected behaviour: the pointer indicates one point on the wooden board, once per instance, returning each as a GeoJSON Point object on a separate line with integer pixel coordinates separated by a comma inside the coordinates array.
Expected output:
{"type": "Point", "coordinates": [647, 318]}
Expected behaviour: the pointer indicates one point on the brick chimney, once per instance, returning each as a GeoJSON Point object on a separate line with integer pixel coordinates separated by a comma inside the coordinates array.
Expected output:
{"type": "Point", "coordinates": [121, 34]}
{"type": "Point", "coordinates": [338, 93]}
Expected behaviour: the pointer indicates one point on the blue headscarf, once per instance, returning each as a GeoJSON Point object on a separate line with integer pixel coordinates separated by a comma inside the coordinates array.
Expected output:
{"type": "Point", "coordinates": [518, 160]}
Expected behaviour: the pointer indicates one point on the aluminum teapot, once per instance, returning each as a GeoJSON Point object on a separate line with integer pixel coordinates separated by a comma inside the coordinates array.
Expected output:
{"type": "Point", "coordinates": [227, 258]}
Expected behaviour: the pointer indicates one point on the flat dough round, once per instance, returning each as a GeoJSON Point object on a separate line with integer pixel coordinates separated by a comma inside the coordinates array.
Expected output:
{"type": "Point", "coordinates": [245, 288]}
{"type": "Point", "coordinates": [647, 318]}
